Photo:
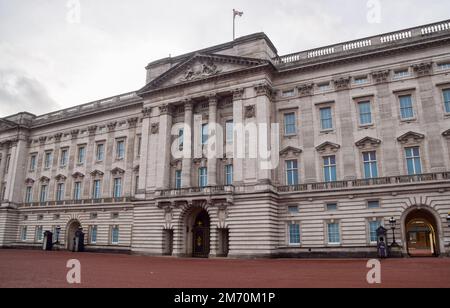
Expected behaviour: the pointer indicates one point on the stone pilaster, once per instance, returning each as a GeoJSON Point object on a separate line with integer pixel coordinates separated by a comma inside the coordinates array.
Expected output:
{"type": "Point", "coordinates": [213, 142]}
{"type": "Point", "coordinates": [238, 119]}
{"type": "Point", "coordinates": [55, 164]}
{"type": "Point", "coordinates": [15, 178]}
{"type": "Point", "coordinates": [72, 163]}
{"type": "Point", "coordinates": [164, 148]}
{"type": "Point", "coordinates": [144, 159]}
{"type": "Point", "coordinates": [130, 154]}
{"type": "Point", "coordinates": [263, 119]}
{"type": "Point", "coordinates": [90, 160]}
{"type": "Point", "coordinates": [109, 158]}
{"type": "Point", "coordinates": [186, 174]}
{"type": "Point", "coordinates": [307, 135]}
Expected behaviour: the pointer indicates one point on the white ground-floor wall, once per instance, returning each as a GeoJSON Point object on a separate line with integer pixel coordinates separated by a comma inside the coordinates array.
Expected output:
{"type": "Point", "coordinates": [252, 225]}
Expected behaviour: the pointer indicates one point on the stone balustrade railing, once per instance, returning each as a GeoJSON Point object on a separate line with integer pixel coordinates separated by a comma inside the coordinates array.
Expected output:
{"type": "Point", "coordinates": [393, 180]}
{"type": "Point", "coordinates": [101, 104]}
{"type": "Point", "coordinates": [380, 40]}
{"type": "Point", "coordinates": [102, 201]}
{"type": "Point", "coordinates": [211, 190]}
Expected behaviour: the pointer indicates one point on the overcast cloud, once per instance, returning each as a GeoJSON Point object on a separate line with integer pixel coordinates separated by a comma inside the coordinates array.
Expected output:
{"type": "Point", "coordinates": [50, 59]}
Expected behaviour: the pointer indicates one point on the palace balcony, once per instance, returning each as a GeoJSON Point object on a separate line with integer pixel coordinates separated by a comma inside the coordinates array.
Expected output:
{"type": "Point", "coordinates": [195, 191]}
{"type": "Point", "coordinates": [102, 201]}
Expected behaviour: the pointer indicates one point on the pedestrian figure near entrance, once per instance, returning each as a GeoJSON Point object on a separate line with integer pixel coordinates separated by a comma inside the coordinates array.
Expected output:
{"type": "Point", "coordinates": [381, 243]}
{"type": "Point", "coordinates": [382, 252]}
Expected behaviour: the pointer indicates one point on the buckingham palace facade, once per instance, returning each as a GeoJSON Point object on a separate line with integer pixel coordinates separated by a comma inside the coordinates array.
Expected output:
{"type": "Point", "coordinates": [235, 151]}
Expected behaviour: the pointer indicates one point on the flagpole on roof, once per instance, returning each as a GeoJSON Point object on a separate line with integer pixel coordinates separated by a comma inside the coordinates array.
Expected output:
{"type": "Point", "coordinates": [235, 13]}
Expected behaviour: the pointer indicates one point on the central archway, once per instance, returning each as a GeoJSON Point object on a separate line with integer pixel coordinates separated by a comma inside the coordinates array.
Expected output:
{"type": "Point", "coordinates": [197, 239]}
{"type": "Point", "coordinates": [422, 238]}
{"type": "Point", "coordinates": [72, 227]}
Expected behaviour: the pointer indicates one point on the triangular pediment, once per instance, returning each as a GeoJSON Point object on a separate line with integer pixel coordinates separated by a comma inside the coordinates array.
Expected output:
{"type": "Point", "coordinates": [201, 67]}
{"type": "Point", "coordinates": [328, 146]}
{"type": "Point", "coordinates": [368, 141]}
{"type": "Point", "coordinates": [288, 150]}
{"type": "Point", "coordinates": [411, 136]}
{"type": "Point", "coordinates": [6, 124]}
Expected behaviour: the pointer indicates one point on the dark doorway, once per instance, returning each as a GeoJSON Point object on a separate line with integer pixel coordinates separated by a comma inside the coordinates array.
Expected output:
{"type": "Point", "coordinates": [224, 239]}
{"type": "Point", "coordinates": [421, 234]}
{"type": "Point", "coordinates": [168, 242]}
{"type": "Point", "coordinates": [200, 235]}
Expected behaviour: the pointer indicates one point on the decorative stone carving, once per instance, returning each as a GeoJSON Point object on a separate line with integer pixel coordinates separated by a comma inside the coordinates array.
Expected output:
{"type": "Point", "coordinates": [212, 99]}
{"type": "Point", "coordinates": [29, 182]}
{"type": "Point", "coordinates": [42, 140]}
{"type": "Point", "coordinates": [165, 109]}
{"type": "Point", "coordinates": [111, 126]}
{"type": "Point", "coordinates": [200, 71]}
{"type": "Point", "coordinates": [44, 180]}
{"type": "Point", "coordinates": [188, 104]}
{"type": "Point", "coordinates": [60, 178]}
{"type": "Point", "coordinates": [446, 134]}
{"type": "Point", "coordinates": [306, 89]}
{"type": "Point", "coordinates": [263, 89]}
{"type": "Point", "coordinates": [290, 151]}
{"type": "Point", "coordinates": [328, 147]}
{"type": "Point", "coordinates": [74, 133]}
{"type": "Point", "coordinates": [58, 137]}
{"type": "Point", "coordinates": [238, 94]}
{"type": "Point", "coordinates": [368, 141]}
{"type": "Point", "coordinates": [411, 137]}
{"type": "Point", "coordinates": [250, 111]}
{"type": "Point", "coordinates": [78, 176]}
{"type": "Point", "coordinates": [154, 128]}
{"type": "Point", "coordinates": [423, 69]}
{"type": "Point", "coordinates": [92, 130]}
{"type": "Point", "coordinates": [132, 122]}
{"type": "Point", "coordinates": [342, 83]}
{"type": "Point", "coordinates": [117, 172]}
{"type": "Point", "coordinates": [147, 112]}
{"type": "Point", "coordinates": [97, 173]}
{"type": "Point", "coordinates": [381, 76]}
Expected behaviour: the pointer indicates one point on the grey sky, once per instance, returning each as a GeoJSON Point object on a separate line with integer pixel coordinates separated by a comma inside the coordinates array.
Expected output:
{"type": "Point", "coordinates": [48, 63]}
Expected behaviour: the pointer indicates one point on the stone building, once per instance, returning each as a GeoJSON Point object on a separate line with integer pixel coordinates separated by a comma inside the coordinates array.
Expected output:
{"type": "Point", "coordinates": [333, 143]}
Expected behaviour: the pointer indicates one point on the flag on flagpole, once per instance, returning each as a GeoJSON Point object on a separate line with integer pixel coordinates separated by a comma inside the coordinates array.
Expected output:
{"type": "Point", "coordinates": [237, 13]}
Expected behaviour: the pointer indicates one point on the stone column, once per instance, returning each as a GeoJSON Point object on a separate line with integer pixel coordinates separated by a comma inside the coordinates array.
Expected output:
{"type": "Point", "coordinates": [72, 162]}
{"type": "Point", "coordinates": [130, 154]}
{"type": "Point", "coordinates": [55, 164]}
{"type": "Point", "coordinates": [164, 148]}
{"type": "Point", "coordinates": [307, 132]}
{"type": "Point", "coordinates": [109, 158]}
{"type": "Point", "coordinates": [186, 175]}
{"type": "Point", "coordinates": [238, 119]}
{"type": "Point", "coordinates": [144, 159]}
{"type": "Point", "coordinates": [213, 142]}
{"type": "Point", "coordinates": [90, 159]}
{"type": "Point", "coordinates": [16, 176]}
{"type": "Point", "coordinates": [263, 117]}
{"type": "Point", "coordinates": [3, 154]}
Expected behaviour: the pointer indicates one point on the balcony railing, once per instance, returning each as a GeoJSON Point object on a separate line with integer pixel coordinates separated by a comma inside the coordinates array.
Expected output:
{"type": "Point", "coordinates": [379, 40]}
{"type": "Point", "coordinates": [80, 202]}
{"type": "Point", "coordinates": [393, 180]}
{"type": "Point", "coordinates": [211, 190]}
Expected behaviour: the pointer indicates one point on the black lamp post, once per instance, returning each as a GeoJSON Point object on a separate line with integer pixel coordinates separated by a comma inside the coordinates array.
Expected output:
{"type": "Point", "coordinates": [58, 231]}
{"type": "Point", "coordinates": [393, 222]}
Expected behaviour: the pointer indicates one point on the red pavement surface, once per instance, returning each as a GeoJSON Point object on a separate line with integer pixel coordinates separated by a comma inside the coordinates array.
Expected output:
{"type": "Point", "coordinates": [20, 268]}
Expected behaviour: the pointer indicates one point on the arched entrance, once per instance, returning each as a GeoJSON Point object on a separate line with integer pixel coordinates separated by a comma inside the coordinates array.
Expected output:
{"type": "Point", "coordinates": [421, 232]}
{"type": "Point", "coordinates": [72, 227]}
{"type": "Point", "coordinates": [198, 233]}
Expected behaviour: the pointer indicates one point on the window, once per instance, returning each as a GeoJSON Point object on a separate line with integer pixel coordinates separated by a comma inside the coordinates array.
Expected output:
{"type": "Point", "coordinates": [60, 188]}
{"type": "Point", "coordinates": [444, 66]}
{"type": "Point", "coordinates": [114, 215]}
{"type": "Point", "coordinates": [373, 204]}
{"type": "Point", "coordinates": [81, 155]}
{"type": "Point", "coordinates": [39, 233]}
{"type": "Point", "coordinates": [117, 190]}
{"type": "Point", "coordinates": [326, 118]}
{"type": "Point", "coordinates": [93, 235]}
{"type": "Point", "coordinates": [96, 189]}
{"type": "Point", "coordinates": [136, 184]}
{"type": "Point", "coordinates": [365, 113]}
{"type": "Point", "coordinates": [77, 191]}
{"type": "Point", "coordinates": [324, 87]}
{"type": "Point", "coordinates": [64, 158]}
{"type": "Point", "coordinates": [33, 162]}
{"type": "Point", "coordinates": [203, 177]}
{"type": "Point", "coordinates": [447, 100]}
{"type": "Point", "coordinates": [288, 93]}
{"type": "Point", "coordinates": [48, 160]}
{"type": "Point", "coordinates": [294, 234]}
{"type": "Point", "coordinates": [120, 149]}
{"type": "Point", "coordinates": [291, 172]}
{"type": "Point", "coordinates": [229, 126]}
{"type": "Point", "coordinates": [139, 146]}
{"type": "Point", "coordinates": [401, 73]}
{"type": "Point", "coordinates": [178, 179]}
{"type": "Point", "coordinates": [290, 127]}
{"type": "Point", "coordinates": [413, 161]}
{"type": "Point", "coordinates": [93, 216]}
{"type": "Point", "coordinates": [361, 80]}
{"type": "Point", "coordinates": [370, 165]}
{"type": "Point", "coordinates": [29, 194]}
{"type": "Point", "coordinates": [205, 135]}
{"type": "Point", "coordinates": [293, 209]}
{"type": "Point", "coordinates": [100, 152]}
{"type": "Point", "coordinates": [332, 207]}
{"type": "Point", "coordinates": [373, 227]}
{"type": "Point", "coordinates": [406, 107]}
{"type": "Point", "coordinates": [43, 195]}
{"type": "Point", "coordinates": [115, 235]}
{"type": "Point", "coordinates": [23, 234]}
{"type": "Point", "coordinates": [334, 236]}
{"type": "Point", "coordinates": [329, 168]}
{"type": "Point", "coordinates": [229, 175]}
{"type": "Point", "coordinates": [180, 139]}
{"type": "Point", "coordinates": [8, 161]}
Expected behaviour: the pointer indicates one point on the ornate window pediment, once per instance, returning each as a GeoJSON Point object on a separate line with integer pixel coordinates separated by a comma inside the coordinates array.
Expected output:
{"type": "Point", "coordinates": [29, 182]}
{"type": "Point", "coordinates": [136, 168]}
{"type": "Point", "coordinates": [60, 178]}
{"type": "Point", "coordinates": [44, 180]}
{"type": "Point", "coordinates": [117, 172]}
{"type": "Point", "coordinates": [328, 147]}
{"type": "Point", "coordinates": [446, 134]}
{"type": "Point", "coordinates": [290, 151]}
{"type": "Point", "coordinates": [368, 141]}
{"type": "Point", "coordinates": [97, 173]}
{"type": "Point", "coordinates": [78, 176]}
{"type": "Point", "coordinates": [411, 137]}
